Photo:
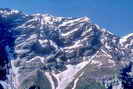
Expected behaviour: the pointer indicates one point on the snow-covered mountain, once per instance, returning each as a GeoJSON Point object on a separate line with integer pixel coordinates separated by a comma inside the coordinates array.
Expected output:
{"type": "Point", "coordinates": [41, 51]}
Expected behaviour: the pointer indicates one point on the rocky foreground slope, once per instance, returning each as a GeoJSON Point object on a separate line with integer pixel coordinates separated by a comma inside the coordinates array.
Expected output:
{"type": "Point", "coordinates": [41, 51]}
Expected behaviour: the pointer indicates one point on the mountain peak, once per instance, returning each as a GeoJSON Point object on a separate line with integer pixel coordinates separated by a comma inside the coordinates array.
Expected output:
{"type": "Point", "coordinates": [8, 11]}
{"type": "Point", "coordinates": [63, 52]}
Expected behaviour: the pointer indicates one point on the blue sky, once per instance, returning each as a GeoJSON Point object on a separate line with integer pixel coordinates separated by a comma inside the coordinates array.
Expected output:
{"type": "Point", "coordinates": [114, 15]}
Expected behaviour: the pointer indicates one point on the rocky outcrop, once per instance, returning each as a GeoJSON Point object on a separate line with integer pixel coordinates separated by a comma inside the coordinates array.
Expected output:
{"type": "Point", "coordinates": [41, 51]}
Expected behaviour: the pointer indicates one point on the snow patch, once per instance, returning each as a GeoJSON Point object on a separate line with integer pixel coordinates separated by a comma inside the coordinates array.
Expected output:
{"type": "Point", "coordinates": [63, 79]}
{"type": "Point", "coordinates": [5, 85]}
{"type": "Point", "coordinates": [50, 79]}
{"type": "Point", "coordinates": [124, 39]}
{"type": "Point", "coordinates": [73, 21]}
{"type": "Point", "coordinates": [68, 33]}
{"type": "Point", "coordinates": [76, 45]}
{"type": "Point", "coordinates": [76, 80]}
{"type": "Point", "coordinates": [106, 53]}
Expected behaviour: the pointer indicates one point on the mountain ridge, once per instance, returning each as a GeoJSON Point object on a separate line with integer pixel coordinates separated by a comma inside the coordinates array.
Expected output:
{"type": "Point", "coordinates": [54, 47]}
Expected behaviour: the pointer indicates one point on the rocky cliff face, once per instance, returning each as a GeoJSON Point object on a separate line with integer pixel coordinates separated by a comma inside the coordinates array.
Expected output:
{"type": "Point", "coordinates": [41, 51]}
